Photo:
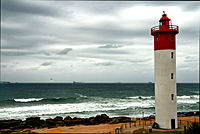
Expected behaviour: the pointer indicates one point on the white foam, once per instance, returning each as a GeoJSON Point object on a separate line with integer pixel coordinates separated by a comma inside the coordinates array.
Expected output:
{"type": "Point", "coordinates": [101, 104]}
{"type": "Point", "coordinates": [28, 100]}
{"type": "Point", "coordinates": [140, 97]}
{"type": "Point", "coordinates": [183, 97]}
{"type": "Point", "coordinates": [80, 95]}
{"type": "Point", "coordinates": [188, 99]}
{"type": "Point", "coordinates": [96, 105]}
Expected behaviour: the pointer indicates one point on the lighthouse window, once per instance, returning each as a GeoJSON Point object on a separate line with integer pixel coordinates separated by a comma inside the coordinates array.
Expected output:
{"type": "Point", "coordinates": [156, 38]}
{"type": "Point", "coordinates": [172, 96]}
{"type": "Point", "coordinates": [172, 55]}
{"type": "Point", "coordinates": [163, 23]}
{"type": "Point", "coordinates": [172, 37]}
{"type": "Point", "coordinates": [172, 75]}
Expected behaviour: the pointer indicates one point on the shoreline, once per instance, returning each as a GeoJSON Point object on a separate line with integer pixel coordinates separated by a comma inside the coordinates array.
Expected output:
{"type": "Point", "coordinates": [68, 124]}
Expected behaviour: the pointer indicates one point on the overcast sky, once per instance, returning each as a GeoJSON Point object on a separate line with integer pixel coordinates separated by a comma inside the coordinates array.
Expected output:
{"type": "Point", "coordinates": [96, 41]}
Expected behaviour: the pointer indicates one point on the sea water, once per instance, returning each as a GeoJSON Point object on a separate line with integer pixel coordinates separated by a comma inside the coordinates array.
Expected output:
{"type": "Point", "coordinates": [48, 100]}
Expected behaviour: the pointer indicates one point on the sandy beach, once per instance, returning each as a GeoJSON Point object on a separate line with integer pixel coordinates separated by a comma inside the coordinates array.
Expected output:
{"type": "Point", "coordinates": [101, 128]}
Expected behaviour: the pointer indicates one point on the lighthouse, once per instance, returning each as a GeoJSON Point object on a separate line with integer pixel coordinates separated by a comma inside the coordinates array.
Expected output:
{"type": "Point", "coordinates": [165, 72]}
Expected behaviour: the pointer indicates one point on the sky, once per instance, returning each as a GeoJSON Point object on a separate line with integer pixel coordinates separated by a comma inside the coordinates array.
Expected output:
{"type": "Point", "coordinates": [93, 41]}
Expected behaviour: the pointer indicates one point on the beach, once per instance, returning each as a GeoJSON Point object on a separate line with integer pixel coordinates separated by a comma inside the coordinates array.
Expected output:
{"type": "Point", "coordinates": [106, 127]}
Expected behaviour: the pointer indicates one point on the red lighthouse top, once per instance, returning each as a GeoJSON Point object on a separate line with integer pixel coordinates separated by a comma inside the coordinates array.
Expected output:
{"type": "Point", "coordinates": [164, 34]}
{"type": "Point", "coordinates": [164, 17]}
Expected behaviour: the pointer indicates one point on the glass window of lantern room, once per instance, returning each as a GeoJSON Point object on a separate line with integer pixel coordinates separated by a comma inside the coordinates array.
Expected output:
{"type": "Point", "coordinates": [163, 23]}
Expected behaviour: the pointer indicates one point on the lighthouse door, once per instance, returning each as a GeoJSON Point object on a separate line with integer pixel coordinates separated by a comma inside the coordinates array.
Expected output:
{"type": "Point", "coordinates": [172, 123]}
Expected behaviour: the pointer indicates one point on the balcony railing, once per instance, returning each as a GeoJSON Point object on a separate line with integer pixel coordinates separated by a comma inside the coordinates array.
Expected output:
{"type": "Point", "coordinates": [164, 27]}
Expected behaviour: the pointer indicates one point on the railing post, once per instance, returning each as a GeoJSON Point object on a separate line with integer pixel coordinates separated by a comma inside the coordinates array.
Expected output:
{"type": "Point", "coordinates": [117, 131]}
{"type": "Point", "coordinates": [185, 130]}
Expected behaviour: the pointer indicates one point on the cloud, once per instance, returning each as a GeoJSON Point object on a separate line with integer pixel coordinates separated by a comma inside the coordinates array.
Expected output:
{"type": "Point", "coordinates": [104, 64]}
{"type": "Point", "coordinates": [38, 31]}
{"type": "Point", "coordinates": [16, 53]}
{"type": "Point", "coordinates": [64, 51]}
{"type": "Point", "coordinates": [110, 46]}
{"type": "Point", "coordinates": [45, 53]}
{"type": "Point", "coordinates": [46, 64]}
{"type": "Point", "coordinates": [191, 59]}
{"type": "Point", "coordinates": [24, 7]}
{"type": "Point", "coordinates": [4, 66]}
{"type": "Point", "coordinates": [140, 60]}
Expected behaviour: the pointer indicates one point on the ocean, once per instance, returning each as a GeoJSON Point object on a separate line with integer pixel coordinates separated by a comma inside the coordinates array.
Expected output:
{"type": "Point", "coordinates": [48, 100]}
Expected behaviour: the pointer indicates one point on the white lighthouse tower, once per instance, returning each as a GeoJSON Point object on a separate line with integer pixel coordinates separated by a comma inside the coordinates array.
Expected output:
{"type": "Point", "coordinates": [165, 73]}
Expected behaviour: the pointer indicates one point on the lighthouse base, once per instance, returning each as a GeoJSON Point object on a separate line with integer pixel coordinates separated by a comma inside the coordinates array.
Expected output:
{"type": "Point", "coordinates": [167, 124]}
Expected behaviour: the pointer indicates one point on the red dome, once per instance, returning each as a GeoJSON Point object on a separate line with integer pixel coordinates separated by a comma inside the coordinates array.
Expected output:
{"type": "Point", "coordinates": [164, 17]}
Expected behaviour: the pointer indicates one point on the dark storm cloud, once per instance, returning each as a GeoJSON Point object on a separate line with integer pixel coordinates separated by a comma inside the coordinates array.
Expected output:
{"type": "Point", "coordinates": [64, 51]}
{"type": "Point", "coordinates": [16, 53]}
{"type": "Point", "coordinates": [24, 7]}
{"type": "Point", "coordinates": [191, 6]}
{"type": "Point", "coordinates": [46, 64]}
{"type": "Point", "coordinates": [102, 7]}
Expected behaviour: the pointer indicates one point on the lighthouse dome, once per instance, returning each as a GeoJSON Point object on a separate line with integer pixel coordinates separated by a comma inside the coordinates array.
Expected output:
{"type": "Point", "coordinates": [164, 17]}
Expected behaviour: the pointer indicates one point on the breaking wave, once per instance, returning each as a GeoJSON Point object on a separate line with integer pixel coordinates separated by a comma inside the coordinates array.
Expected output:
{"type": "Point", "coordinates": [28, 100]}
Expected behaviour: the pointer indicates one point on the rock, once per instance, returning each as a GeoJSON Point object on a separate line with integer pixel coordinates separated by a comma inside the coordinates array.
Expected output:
{"type": "Point", "coordinates": [67, 121]}
{"type": "Point", "coordinates": [103, 118]}
{"type": "Point", "coordinates": [68, 118]}
{"type": "Point", "coordinates": [91, 121]}
{"type": "Point", "coordinates": [50, 123]}
{"type": "Point", "coordinates": [33, 119]}
{"type": "Point", "coordinates": [120, 120]}
{"type": "Point", "coordinates": [85, 121]}
{"type": "Point", "coordinates": [9, 124]}
{"type": "Point", "coordinates": [152, 116]}
{"type": "Point", "coordinates": [155, 125]}
{"type": "Point", "coordinates": [58, 118]}
{"type": "Point", "coordinates": [76, 121]}
{"type": "Point", "coordinates": [34, 122]}
{"type": "Point", "coordinates": [59, 121]}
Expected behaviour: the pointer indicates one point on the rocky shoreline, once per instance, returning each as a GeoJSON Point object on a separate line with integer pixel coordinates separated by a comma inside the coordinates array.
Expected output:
{"type": "Point", "coordinates": [37, 122]}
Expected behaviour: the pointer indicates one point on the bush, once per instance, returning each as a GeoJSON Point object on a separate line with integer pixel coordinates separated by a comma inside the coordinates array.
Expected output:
{"type": "Point", "coordinates": [194, 128]}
